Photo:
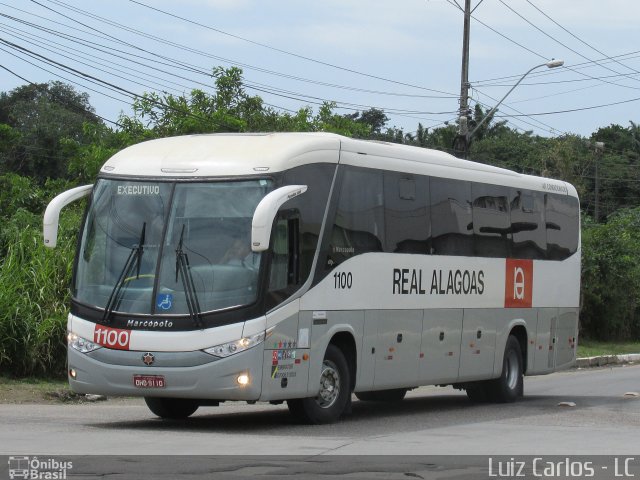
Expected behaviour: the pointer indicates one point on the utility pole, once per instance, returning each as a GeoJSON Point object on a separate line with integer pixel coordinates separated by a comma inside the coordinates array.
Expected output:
{"type": "Point", "coordinates": [599, 148]}
{"type": "Point", "coordinates": [462, 140]}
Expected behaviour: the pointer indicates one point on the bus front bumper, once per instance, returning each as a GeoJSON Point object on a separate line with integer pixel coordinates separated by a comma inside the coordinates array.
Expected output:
{"type": "Point", "coordinates": [196, 375]}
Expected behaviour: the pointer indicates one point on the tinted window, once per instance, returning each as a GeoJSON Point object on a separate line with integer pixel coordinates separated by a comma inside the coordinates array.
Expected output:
{"type": "Point", "coordinates": [491, 223]}
{"type": "Point", "coordinates": [451, 219]}
{"type": "Point", "coordinates": [562, 221]}
{"type": "Point", "coordinates": [529, 236]}
{"type": "Point", "coordinates": [406, 213]}
{"type": "Point", "coordinates": [311, 208]}
{"type": "Point", "coordinates": [359, 221]}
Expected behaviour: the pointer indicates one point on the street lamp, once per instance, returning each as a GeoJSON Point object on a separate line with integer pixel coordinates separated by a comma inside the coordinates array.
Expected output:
{"type": "Point", "coordinates": [549, 64]}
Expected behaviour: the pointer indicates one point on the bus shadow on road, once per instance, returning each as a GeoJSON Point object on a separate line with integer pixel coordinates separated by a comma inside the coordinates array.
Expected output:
{"type": "Point", "coordinates": [412, 414]}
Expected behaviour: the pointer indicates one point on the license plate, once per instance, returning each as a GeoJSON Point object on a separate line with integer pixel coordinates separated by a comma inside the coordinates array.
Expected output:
{"type": "Point", "coordinates": [148, 381]}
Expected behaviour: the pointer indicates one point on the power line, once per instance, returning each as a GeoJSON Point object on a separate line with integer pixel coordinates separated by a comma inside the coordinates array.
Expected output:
{"type": "Point", "coordinates": [40, 41]}
{"type": "Point", "coordinates": [575, 66]}
{"type": "Point", "coordinates": [592, 107]}
{"type": "Point", "coordinates": [112, 86]}
{"type": "Point", "coordinates": [551, 129]}
{"type": "Point", "coordinates": [233, 62]}
{"type": "Point", "coordinates": [270, 90]}
{"type": "Point", "coordinates": [567, 47]}
{"type": "Point", "coordinates": [192, 68]}
{"type": "Point", "coordinates": [265, 89]}
{"type": "Point", "coordinates": [540, 55]}
{"type": "Point", "coordinates": [65, 78]}
{"type": "Point", "coordinates": [573, 80]}
{"type": "Point", "coordinates": [83, 109]}
{"type": "Point", "coordinates": [581, 40]}
{"type": "Point", "coordinates": [285, 52]}
{"type": "Point", "coordinates": [110, 72]}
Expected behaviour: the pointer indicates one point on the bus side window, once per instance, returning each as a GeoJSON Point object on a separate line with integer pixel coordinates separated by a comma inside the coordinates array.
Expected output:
{"type": "Point", "coordinates": [359, 222]}
{"type": "Point", "coordinates": [562, 221]}
{"type": "Point", "coordinates": [311, 207]}
{"type": "Point", "coordinates": [406, 213]}
{"type": "Point", "coordinates": [451, 217]}
{"type": "Point", "coordinates": [529, 237]}
{"type": "Point", "coordinates": [491, 223]}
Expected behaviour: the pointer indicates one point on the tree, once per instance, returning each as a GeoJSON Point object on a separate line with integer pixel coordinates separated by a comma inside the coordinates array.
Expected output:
{"type": "Point", "coordinates": [230, 109]}
{"type": "Point", "coordinates": [374, 118]}
{"type": "Point", "coordinates": [611, 277]}
{"type": "Point", "coordinates": [618, 168]}
{"type": "Point", "coordinates": [37, 118]}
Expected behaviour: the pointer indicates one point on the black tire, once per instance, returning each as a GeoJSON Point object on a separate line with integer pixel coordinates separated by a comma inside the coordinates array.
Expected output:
{"type": "Point", "coordinates": [173, 408]}
{"type": "Point", "coordinates": [510, 385]}
{"type": "Point", "coordinates": [334, 393]}
{"type": "Point", "coordinates": [392, 395]}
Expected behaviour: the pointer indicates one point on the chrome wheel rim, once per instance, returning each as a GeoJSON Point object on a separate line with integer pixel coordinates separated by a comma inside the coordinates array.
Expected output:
{"type": "Point", "coordinates": [329, 385]}
{"type": "Point", "coordinates": [513, 370]}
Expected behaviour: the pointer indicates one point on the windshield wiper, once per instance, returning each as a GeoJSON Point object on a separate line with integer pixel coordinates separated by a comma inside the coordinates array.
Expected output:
{"type": "Point", "coordinates": [184, 270]}
{"type": "Point", "coordinates": [134, 258]}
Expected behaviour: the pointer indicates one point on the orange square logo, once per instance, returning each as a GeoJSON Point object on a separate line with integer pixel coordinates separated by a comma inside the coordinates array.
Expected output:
{"type": "Point", "coordinates": [518, 291]}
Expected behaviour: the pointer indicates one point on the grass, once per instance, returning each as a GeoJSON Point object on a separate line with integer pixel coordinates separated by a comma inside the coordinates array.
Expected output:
{"type": "Point", "coordinates": [34, 296]}
{"type": "Point", "coordinates": [594, 348]}
{"type": "Point", "coordinates": [34, 390]}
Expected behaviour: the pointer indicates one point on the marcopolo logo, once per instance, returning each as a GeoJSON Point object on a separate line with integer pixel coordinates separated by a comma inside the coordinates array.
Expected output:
{"type": "Point", "coordinates": [518, 291]}
{"type": "Point", "coordinates": [35, 468]}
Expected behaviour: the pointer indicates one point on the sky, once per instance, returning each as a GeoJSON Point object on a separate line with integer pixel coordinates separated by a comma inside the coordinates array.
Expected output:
{"type": "Point", "coordinates": [401, 57]}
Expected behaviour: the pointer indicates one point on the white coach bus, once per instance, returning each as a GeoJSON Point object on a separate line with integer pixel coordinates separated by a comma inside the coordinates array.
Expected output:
{"type": "Point", "coordinates": [304, 267]}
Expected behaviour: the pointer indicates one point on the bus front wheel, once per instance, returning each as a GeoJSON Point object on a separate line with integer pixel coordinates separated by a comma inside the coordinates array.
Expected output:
{"type": "Point", "coordinates": [333, 395]}
{"type": "Point", "coordinates": [172, 408]}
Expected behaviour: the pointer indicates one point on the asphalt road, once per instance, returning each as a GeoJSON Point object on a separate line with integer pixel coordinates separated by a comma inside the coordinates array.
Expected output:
{"type": "Point", "coordinates": [430, 421]}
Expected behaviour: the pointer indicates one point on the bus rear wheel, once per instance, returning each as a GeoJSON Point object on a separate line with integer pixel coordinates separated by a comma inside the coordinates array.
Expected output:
{"type": "Point", "coordinates": [172, 408]}
{"type": "Point", "coordinates": [509, 385]}
{"type": "Point", "coordinates": [333, 395]}
{"type": "Point", "coordinates": [392, 395]}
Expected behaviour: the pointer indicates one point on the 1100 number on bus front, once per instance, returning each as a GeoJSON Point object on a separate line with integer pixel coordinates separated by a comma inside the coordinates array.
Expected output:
{"type": "Point", "coordinates": [342, 280]}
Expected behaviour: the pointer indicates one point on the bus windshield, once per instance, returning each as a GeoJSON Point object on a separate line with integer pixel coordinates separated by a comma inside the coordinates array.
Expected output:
{"type": "Point", "coordinates": [202, 228]}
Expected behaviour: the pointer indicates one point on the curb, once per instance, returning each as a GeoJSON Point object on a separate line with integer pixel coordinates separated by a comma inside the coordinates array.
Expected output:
{"type": "Point", "coordinates": [603, 360]}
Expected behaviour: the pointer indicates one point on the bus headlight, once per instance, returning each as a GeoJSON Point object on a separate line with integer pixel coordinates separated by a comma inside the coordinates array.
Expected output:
{"type": "Point", "coordinates": [237, 346]}
{"type": "Point", "coordinates": [81, 344]}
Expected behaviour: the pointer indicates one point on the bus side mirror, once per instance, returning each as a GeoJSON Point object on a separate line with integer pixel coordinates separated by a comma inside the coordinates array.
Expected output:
{"type": "Point", "coordinates": [266, 212]}
{"type": "Point", "coordinates": [52, 213]}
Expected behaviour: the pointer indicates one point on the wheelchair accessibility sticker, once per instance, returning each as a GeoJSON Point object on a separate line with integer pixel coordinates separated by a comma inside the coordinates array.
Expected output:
{"type": "Point", "coordinates": [164, 301]}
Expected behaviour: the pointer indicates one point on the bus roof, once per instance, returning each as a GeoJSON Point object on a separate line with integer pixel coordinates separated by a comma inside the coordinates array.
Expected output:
{"type": "Point", "coordinates": [229, 154]}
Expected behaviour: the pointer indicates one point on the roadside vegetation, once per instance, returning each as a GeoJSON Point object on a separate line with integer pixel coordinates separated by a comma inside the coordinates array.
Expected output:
{"type": "Point", "coordinates": [596, 348]}
{"type": "Point", "coordinates": [51, 140]}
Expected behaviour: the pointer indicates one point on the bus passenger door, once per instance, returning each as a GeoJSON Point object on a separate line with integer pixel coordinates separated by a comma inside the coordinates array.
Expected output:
{"type": "Point", "coordinates": [397, 348]}
{"type": "Point", "coordinates": [478, 345]}
{"type": "Point", "coordinates": [440, 352]}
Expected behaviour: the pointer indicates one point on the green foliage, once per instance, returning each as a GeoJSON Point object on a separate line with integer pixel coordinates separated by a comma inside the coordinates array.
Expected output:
{"type": "Point", "coordinates": [618, 169]}
{"type": "Point", "coordinates": [374, 118]}
{"type": "Point", "coordinates": [40, 117]}
{"type": "Point", "coordinates": [34, 295]}
{"type": "Point", "coordinates": [611, 277]}
{"type": "Point", "coordinates": [85, 160]}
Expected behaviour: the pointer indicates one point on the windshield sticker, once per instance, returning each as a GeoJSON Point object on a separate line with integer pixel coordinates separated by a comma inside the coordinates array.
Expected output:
{"type": "Point", "coordinates": [164, 301]}
{"type": "Point", "coordinates": [138, 189]}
